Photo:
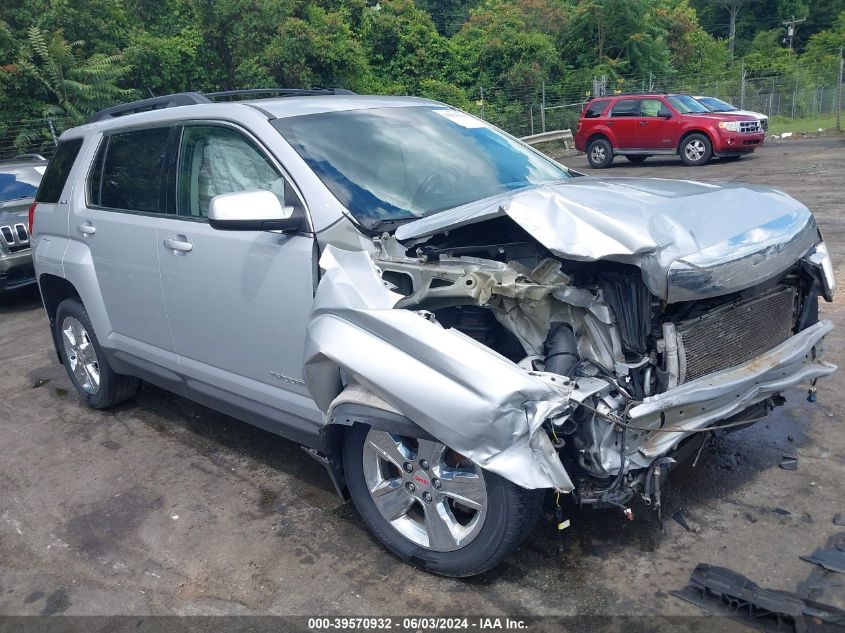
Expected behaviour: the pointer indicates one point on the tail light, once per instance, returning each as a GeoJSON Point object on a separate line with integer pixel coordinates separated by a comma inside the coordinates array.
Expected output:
{"type": "Point", "coordinates": [32, 218]}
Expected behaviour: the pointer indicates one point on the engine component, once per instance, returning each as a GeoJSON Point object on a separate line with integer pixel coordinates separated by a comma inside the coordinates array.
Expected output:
{"type": "Point", "coordinates": [561, 350]}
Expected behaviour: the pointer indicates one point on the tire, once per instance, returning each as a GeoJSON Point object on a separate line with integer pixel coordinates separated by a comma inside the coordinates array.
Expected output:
{"type": "Point", "coordinates": [636, 158]}
{"type": "Point", "coordinates": [696, 150]}
{"type": "Point", "coordinates": [502, 518]}
{"type": "Point", "coordinates": [95, 381]}
{"type": "Point", "coordinates": [600, 153]}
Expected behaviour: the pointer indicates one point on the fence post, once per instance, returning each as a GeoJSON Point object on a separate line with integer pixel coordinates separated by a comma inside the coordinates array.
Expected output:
{"type": "Point", "coordinates": [481, 112]}
{"type": "Point", "coordinates": [839, 92]}
{"type": "Point", "coordinates": [742, 86]}
{"type": "Point", "coordinates": [52, 131]}
{"type": "Point", "coordinates": [543, 109]}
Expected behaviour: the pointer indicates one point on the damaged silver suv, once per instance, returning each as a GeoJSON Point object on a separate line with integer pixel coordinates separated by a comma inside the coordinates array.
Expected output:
{"type": "Point", "coordinates": [450, 321]}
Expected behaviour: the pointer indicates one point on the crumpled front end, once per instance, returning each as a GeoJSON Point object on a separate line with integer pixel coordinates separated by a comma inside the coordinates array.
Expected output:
{"type": "Point", "coordinates": [560, 373]}
{"type": "Point", "coordinates": [464, 394]}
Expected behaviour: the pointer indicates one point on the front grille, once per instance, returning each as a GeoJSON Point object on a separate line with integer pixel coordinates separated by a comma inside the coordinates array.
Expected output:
{"type": "Point", "coordinates": [748, 127]}
{"type": "Point", "coordinates": [16, 238]}
{"type": "Point", "coordinates": [735, 334]}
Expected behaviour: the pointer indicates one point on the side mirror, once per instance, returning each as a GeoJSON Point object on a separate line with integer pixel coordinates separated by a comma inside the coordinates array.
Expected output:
{"type": "Point", "coordinates": [256, 210]}
{"type": "Point", "coordinates": [664, 114]}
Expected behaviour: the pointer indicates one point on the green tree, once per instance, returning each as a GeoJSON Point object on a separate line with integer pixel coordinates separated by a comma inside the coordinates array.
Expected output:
{"type": "Point", "coordinates": [77, 85]}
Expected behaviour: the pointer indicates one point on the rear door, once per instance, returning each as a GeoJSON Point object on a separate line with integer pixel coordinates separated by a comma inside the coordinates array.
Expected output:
{"type": "Point", "coordinates": [126, 199]}
{"type": "Point", "coordinates": [623, 121]}
{"type": "Point", "coordinates": [238, 301]}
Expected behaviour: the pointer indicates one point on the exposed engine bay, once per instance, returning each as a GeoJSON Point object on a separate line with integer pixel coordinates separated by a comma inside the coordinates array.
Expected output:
{"type": "Point", "coordinates": [581, 336]}
{"type": "Point", "coordinates": [598, 327]}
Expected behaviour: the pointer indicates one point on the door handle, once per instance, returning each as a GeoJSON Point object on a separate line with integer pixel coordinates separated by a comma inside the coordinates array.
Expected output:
{"type": "Point", "coordinates": [643, 122]}
{"type": "Point", "coordinates": [178, 245]}
{"type": "Point", "coordinates": [86, 229]}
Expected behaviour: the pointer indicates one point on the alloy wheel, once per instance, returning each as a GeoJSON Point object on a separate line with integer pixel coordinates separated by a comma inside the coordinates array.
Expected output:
{"type": "Point", "coordinates": [694, 150]}
{"type": "Point", "coordinates": [81, 355]}
{"type": "Point", "coordinates": [429, 493]}
{"type": "Point", "coordinates": [598, 153]}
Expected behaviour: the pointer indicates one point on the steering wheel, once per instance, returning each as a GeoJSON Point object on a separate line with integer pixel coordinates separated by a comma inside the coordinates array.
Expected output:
{"type": "Point", "coordinates": [438, 181]}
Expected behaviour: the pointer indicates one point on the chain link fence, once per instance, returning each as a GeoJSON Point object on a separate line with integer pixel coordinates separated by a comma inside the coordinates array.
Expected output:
{"type": "Point", "coordinates": [530, 109]}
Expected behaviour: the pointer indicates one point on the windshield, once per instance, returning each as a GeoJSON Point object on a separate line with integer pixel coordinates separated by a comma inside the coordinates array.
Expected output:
{"type": "Point", "coordinates": [389, 164]}
{"type": "Point", "coordinates": [686, 104]}
{"type": "Point", "coordinates": [19, 182]}
{"type": "Point", "coordinates": [716, 105]}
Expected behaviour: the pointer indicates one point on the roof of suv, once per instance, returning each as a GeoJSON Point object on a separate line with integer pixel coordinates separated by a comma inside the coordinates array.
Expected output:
{"type": "Point", "coordinates": [278, 107]}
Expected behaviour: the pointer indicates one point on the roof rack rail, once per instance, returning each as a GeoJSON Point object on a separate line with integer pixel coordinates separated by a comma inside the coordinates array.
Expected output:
{"type": "Point", "coordinates": [145, 105]}
{"type": "Point", "coordinates": [193, 98]}
{"type": "Point", "coordinates": [281, 92]}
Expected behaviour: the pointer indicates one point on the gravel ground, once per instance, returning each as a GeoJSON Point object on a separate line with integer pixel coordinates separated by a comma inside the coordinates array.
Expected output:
{"type": "Point", "coordinates": [164, 507]}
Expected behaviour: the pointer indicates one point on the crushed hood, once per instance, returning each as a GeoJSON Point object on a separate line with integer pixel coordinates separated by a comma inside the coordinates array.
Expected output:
{"type": "Point", "coordinates": [691, 240]}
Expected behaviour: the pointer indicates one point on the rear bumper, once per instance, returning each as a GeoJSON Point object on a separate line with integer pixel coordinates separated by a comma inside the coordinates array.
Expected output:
{"type": "Point", "coordinates": [718, 396]}
{"type": "Point", "coordinates": [16, 270]}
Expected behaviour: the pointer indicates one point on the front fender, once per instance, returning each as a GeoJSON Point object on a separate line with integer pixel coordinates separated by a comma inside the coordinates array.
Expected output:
{"type": "Point", "coordinates": [461, 392]}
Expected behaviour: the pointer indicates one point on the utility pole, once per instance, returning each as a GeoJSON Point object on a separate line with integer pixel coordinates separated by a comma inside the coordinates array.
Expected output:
{"type": "Point", "coordinates": [790, 29]}
{"type": "Point", "coordinates": [543, 109]}
{"type": "Point", "coordinates": [839, 91]}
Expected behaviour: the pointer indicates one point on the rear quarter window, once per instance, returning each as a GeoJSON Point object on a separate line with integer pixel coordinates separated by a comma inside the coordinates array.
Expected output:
{"type": "Point", "coordinates": [595, 109]}
{"type": "Point", "coordinates": [58, 170]}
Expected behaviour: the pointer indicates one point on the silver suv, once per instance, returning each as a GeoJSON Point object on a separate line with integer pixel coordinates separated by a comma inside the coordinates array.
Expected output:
{"type": "Point", "coordinates": [453, 323]}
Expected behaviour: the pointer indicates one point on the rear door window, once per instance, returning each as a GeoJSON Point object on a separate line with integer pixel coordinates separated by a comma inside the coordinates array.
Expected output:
{"type": "Point", "coordinates": [595, 109]}
{"type": "Point", "coordinates": [58, 170]}
{"type": "Point", "coordinates": [129, 171]}
{"type": "Point", "coordinates": [625, 107]}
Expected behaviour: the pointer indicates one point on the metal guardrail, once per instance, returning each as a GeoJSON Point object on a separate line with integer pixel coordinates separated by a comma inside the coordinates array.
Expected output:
{"type": "Point", "coordinates": [552, 135]}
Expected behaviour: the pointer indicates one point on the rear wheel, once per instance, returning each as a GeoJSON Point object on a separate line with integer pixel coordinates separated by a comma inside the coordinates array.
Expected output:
{"type": "Point", "coordinates": [636, 158]}
{"type": "Point", "coordinates": [600, 153]}
{"type": "Point", "coordinates": [89, 371]}
{"type": "Point", "coordinates": [431, 506]}
{"type": "Point", "coordinates": [696, 150]}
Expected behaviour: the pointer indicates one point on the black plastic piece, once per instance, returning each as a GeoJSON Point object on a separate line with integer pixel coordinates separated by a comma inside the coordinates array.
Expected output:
{"type": "Point", "coordinates": [728, 593]}
{"type": "Point", "coordinates": [830, 559]}
{"type": "Point", "coordinates": [788, 462]}
{"type": "Point", "coordinates": [194, 98]}
{"type": "Point", "coordinates": [146, 105]}
{"type": "Point", "coordinates": [839, 518]}
{"type": "Point", "coordinates": [278, 92]}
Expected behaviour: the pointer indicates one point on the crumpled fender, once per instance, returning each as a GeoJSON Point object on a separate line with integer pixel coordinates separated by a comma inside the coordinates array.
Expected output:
{"type": "Point", "coordinates": [466, 395]}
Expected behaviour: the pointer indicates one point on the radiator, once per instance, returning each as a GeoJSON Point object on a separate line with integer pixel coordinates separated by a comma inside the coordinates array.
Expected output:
{"type": "Point", "coordinates": [734, 334]}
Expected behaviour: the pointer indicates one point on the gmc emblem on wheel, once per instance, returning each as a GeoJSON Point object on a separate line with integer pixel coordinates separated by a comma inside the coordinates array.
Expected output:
{"type": "Point", "coordinates": [421, 480]}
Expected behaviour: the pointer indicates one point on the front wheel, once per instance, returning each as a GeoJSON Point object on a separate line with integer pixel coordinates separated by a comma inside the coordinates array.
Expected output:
{"type": "Point", "coordinates": [696, 150]}
{"type": "Point", "coordinates": [431, 506]}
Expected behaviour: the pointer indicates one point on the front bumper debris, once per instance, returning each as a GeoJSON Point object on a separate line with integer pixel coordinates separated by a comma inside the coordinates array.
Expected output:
{"type": "Point", "coordinates": [718, 396]}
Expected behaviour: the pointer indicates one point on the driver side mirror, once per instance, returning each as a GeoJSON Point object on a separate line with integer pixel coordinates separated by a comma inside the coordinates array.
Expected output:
{"type": "Point", "coordinates": [665, 113]}
{"type": "Point", "coordinates": [257, 210]}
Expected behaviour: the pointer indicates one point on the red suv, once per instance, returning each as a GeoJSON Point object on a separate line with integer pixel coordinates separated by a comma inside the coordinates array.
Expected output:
{"type": "Point", "coordinates": [639, 126]}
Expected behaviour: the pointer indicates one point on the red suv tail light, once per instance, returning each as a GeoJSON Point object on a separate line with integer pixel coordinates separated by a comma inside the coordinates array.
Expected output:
{"type": "Point", "coordinates": [32, 218]}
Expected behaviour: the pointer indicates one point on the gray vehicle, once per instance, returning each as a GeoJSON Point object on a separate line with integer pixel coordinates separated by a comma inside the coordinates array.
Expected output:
{"type": "Point", "coordinates": [453, 323]}
{"type": "Point", "coordinates": [19, 180]}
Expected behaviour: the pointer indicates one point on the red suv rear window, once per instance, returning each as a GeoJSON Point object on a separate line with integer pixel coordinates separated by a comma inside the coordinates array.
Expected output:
{"type": "Point", "coordinates": [595, 108]}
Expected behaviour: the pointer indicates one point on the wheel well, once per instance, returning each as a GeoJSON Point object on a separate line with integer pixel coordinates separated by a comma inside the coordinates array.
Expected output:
{"type": "Point", "coordinates": [597, 136]}
{"type": "Point", "coordinates": [690, 133]}
{"type": "Point", "coordinates": [54, 290]}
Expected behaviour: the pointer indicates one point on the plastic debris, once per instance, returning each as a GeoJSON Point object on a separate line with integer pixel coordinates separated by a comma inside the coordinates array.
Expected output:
{"type": "Point", "coordinates": [680, 520]}
{"type": "Point", "coordinates": [839, 518]}
{"type": "Point", "coordinates": [789, 462]}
